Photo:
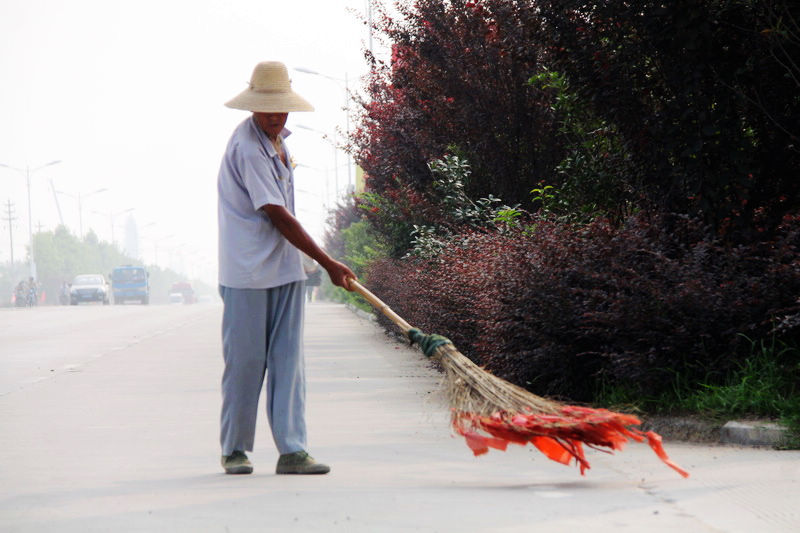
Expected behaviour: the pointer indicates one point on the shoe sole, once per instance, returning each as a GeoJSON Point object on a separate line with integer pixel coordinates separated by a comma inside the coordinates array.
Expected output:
{"type": "Point", "coordinates": [304, 472]}
{"type": "Point", "coordinates": [239, 470]}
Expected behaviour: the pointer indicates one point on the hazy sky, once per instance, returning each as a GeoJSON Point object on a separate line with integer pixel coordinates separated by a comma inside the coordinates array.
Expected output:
{"type": "Point", "coordinates": [129, 96]}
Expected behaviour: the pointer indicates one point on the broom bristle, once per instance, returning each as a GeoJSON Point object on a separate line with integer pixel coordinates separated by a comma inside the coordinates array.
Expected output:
{"type": "Point", "coordinates": [471, 389]}
{"type": "Point", "coordinates": [490, 412]}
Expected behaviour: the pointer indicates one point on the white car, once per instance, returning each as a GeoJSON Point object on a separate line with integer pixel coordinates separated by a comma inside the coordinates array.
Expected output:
{"type": "Point", "coordinates": [89, 288]}
{"type": "Point", "coordinates": [175, 298]}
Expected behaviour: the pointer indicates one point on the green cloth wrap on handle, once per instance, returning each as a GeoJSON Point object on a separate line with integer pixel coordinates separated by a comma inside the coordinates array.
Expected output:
{"type": "Point", "coordinates": [428, 343]}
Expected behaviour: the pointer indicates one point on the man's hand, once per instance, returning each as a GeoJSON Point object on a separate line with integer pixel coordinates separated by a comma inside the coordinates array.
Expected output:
{"type": "Point", "coordinates": [340, 274]}
{"type": "Point", "coordinates": [290, 228]}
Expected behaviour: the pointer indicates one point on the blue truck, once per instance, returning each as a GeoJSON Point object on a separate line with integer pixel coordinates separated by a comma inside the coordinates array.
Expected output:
{"type": "Point", "coordinates": [130, 283]}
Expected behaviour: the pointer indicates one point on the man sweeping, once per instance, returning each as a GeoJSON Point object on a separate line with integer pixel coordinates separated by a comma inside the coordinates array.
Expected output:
{"type": "Point", "coordinates": [261, 278]}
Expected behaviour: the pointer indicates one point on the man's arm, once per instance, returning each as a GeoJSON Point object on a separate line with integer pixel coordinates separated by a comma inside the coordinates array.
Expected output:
{"type": "Point", "coordinates": [291, 228]}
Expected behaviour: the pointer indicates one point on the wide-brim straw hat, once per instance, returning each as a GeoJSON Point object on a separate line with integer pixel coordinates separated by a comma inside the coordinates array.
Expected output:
{"type": "Point", "coordinates": [270, 91]}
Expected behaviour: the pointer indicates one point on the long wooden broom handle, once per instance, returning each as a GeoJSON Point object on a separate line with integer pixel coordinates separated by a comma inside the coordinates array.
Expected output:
{"type": "Point", "coordinates": [380, 306]}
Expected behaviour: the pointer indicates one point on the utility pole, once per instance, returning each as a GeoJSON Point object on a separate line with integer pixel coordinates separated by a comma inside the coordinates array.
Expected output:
{"type": "Point", "coordinates": [27, 171]}
{"type": "Point", "coordinates": [10, 218]}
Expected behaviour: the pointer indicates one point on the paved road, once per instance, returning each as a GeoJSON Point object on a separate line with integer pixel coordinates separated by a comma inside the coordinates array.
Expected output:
{"type": "Point", "coordinates": [121, 435]}
{"type": "Point", "coordinates": [41, 342]}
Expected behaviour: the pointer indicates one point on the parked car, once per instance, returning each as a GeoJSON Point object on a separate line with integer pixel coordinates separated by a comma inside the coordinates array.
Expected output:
{"type": "Point", "coordinates": [89, 288]}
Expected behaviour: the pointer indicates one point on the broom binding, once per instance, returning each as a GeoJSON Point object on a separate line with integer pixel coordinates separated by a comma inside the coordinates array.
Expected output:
{"type": "Point", "coordinates": [427, 343]}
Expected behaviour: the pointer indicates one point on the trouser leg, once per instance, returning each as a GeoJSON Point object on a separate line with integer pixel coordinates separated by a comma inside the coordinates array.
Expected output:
{"type": "Point", "coordinates": [286, 388]}
{"type": "Point", "coordinates": [244, 326]}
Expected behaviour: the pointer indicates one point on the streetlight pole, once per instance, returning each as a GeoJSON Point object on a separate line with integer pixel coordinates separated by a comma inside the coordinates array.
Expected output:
{"type": "Point", "coordinates": [346, 109]}
{"type": "Point", "coordinates": [80, 197]}
{"type": "Point", "coordinates": [27, 172]}
{"type": "Point", "coordinates": [369, 24]}
{"type": "Point", "coordinates": [141, 237]}
{"type": "Point", "coordinates": [175, 261]}
{"type": "Point", "coordinates": [111, 216]}
{"type": "Point", "coordinates": [155, 247]}
{"type": "Point", "coordinates": [327, 197]}
{"type": "Point", "coordinates": [335, 160]}
{"type": "Point", "coordinates": [80, 208]}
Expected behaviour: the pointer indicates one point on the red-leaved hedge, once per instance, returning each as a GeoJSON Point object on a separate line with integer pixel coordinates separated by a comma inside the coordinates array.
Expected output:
{"type": "Point", "coordinates": [559, 308]}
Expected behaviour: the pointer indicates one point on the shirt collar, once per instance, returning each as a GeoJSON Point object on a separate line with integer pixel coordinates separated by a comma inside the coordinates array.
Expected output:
{"type": "Point", "coordinates": [265, 140]}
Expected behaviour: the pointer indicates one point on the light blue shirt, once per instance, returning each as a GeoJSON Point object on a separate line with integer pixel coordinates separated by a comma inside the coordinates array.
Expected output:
{"type": "Point", "coordinates": [253, 254]}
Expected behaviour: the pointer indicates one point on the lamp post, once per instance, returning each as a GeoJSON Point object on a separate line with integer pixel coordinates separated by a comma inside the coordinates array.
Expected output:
{"type": "Point", "coordinates": [111, 216]}
{"type": "Point", "coordinates": [27, 171]}
{"type": "Point", "coordinates": [325, 136]}
{"type": "Point", "coordinates": [312, 210]}
{"type": "Point", "coordinates": [175, 261]}
{"type": "Point", "coordinates": [143, 238]}
{"type": "Point", "coordinates": [345, 84]}
{"type": "Point", "coordinates": [326, 197]}
{"type": "Point", "coordinates": [155, 247]}
{"type": "Point", "coordinates": [80, 197]}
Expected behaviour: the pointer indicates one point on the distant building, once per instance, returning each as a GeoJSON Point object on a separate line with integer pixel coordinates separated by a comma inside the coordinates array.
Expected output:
{"type": "Point", "coordinates": [131, 242]}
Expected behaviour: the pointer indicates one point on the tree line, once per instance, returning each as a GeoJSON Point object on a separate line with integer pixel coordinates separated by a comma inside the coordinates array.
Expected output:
{"type": "Point", "coordinates": [60, 256]}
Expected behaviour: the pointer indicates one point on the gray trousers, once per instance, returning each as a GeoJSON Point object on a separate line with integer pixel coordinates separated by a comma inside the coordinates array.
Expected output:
{"type": "Point", "coordinates": [262, 332]}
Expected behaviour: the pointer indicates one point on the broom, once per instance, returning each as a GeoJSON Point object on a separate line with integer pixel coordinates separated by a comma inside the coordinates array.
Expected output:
{"type": "Point", "coordinates": [490, 412]}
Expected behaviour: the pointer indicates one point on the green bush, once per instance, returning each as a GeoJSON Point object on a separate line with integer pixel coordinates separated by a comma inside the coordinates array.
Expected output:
{"type": "Point", "coordinates": [361, 248]}
{"type": "Point", "coordinates": [765, 383]}
{"type": "Point", "coordinates": [589, 174]}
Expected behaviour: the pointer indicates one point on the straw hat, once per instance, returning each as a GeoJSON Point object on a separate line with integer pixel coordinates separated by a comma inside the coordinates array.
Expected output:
{"type": "Point", "coordinates": [270, 91]}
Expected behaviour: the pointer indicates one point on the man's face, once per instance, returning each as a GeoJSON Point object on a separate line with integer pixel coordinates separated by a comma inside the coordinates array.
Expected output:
{"type": "Point", "coordinates": [271, 123]}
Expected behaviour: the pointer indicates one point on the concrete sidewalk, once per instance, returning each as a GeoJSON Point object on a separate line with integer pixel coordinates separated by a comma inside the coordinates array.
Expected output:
{"type": "Point", "coordinates": [129, 442]}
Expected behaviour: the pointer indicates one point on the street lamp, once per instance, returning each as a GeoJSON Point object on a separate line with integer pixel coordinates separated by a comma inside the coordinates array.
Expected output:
{"type": "Point", "coordinates": [27, 171]}
{"type": "Point", "coordinates": [326, 196]}
{"type": "Point", "coordinates": [111, 218]}
{"type": "Point", "coordinates": [141, 237]}
{"type": "Point", "coordinates": [80, 197]}
{"type": "Point", "coordinates": [155, 247]}
{"type": "Point", "coordinates": [312, 209]}
{"type": "Point", "coordinates": [175, 261]}
{"type": "Point", "coordinates": [325, 136]}
{"type": "Point", "coordinates": [345, 83]}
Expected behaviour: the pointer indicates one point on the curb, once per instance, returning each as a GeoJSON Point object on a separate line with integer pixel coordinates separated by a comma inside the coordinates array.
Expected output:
{"type": "Point", "coordinates": [734, 432]}
{"type": "Point", "coordinates": [753, 433]}
{"type": "Point", "coordinates": [683, 428]}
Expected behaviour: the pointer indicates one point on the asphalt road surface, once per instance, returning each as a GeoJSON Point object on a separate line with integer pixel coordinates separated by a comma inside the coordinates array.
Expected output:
{"type": "Point", "coordinates": [109, 422]}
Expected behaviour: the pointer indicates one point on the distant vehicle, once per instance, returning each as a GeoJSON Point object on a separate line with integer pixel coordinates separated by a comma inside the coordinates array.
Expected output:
{"type": "Point", "coordinates": [184, 288]}
{"type": "Point", "coordinates": [175, 298]}
{"type": "Point", "coordinates": [89, 288]}
{"type": "Point", "coordinates": [130, 283]}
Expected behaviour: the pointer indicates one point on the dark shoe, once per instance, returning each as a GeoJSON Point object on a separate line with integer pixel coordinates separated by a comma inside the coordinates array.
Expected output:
{"type": "Point", "coordinates": [300, 463]}
{"type": "Point", "coordinates": [236, 463]}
